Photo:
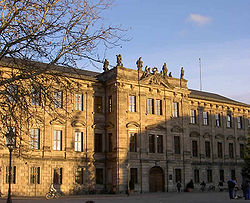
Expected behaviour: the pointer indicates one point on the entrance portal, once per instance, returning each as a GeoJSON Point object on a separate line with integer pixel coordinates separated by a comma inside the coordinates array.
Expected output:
{"type": "Point", "coordinates": [156, 179]}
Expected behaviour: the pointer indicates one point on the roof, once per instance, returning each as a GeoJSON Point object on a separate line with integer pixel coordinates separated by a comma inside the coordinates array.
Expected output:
{"type": "Point", "coordinates": [62, 69]}
{"type": "Point", "coordinates": [214, 97]}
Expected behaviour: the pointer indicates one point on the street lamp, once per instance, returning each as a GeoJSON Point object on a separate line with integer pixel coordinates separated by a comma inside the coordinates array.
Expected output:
{"type": "Point", "coordinates": [11, 144]}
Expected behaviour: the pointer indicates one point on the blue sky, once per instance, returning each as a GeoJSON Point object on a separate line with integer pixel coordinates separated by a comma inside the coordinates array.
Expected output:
{"type": "Point", "coordinates": [179, 32]}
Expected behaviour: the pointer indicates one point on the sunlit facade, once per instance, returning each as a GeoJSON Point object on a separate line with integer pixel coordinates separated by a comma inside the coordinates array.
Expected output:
{"type": "Point", "coordinates": [130, 124]}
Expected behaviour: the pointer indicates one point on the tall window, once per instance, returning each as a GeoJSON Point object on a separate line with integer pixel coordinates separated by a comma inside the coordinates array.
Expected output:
{"type": "Point", "coordinates": [193, 116]}
{"type": "Point", "coordinates": [239, 122]}
{"type": "Point", "coordinates": [79, 176]}
{"type": "Point", "coordinates": [78, 102]}
{"type": "Point", "coordinates": [13, 175]}
{"type": "Point", "coordinates": [196, 175]}
{"type": "Point", "coordinates": [35, 175]}
{"type": "Point", "coordinates": [132, 103]}
{"type": "Point", "coordinates": [133, 142]}
{"type": "Point", "coordinates": [229, 121]}
{"type": "Point", "coordinates": [12, 93]}
{"type": "Point", "coordinates": [133, 175]}
{"type": "Point", "coordinates": [217, 120]}
{"type": "Point", "coordinates": [36, 96]}
{"type": "Point", "coordinates": [57, 178]}
{"type": "Point", "coordinates": [222, 177]}
{"type": "Point", "coordinates": [98, 142]}
{"type": "Point", "coordinates": [177, 145]}
{"type": "Point", "coordinates": [110, 104]}
{"type": "Point", "coordinates": [150, 106]}
{"type": "Point", "coordinates": [242, 151]}
{"type": "Point", "coordinates": [209, 176]}
{"type": "Point", "coordinates": [35, 138]}
{"type": "Point", "coordinates": [151, 143]}
{"type": "Point", "coordinates": [177, 175]}
{"type": "Point", "coordinates": [158, 107]}
{"type": "Point", "coordinates": [57, 140]}
{"type": "Point", "coordinates": [195, 148]}
{"type": "Point", "coordinates": [207, 149]}
{"type": "Point", "coordinates": [159, 143]}
{"type": "Point", "coordinates": [205, 118]}
{"type": "Point", "coordinates": [219, 149]}
{"type": "Point", "coordinates": [99, 175]}
{"type": "Point", "coordinates": [231, 150]}
{"type": "Point", "coordinates": [58, 99]}
{"type": "Point", "coordinates": [175, 109]}
{"type": "Point", "coordinates": [110, 143]}
{"type": "Point", "coordinates": [78, 141]}
{"type": "Point", "coordinates": [98, 104]}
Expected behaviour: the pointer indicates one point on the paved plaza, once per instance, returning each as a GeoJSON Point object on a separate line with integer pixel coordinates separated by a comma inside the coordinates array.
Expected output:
{"type": "Point", "coordinates": [171, 197]}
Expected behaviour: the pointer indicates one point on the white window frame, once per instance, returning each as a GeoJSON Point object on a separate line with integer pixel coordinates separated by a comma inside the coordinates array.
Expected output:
{"type": "Point", "coordinates": [78, 102]}
{"type": "Point", "coordinates": [58, 99]}
{"type": "Point", "coordinates": [35, 138]}
{"type": "Point", "coordinates": [78, 141]}
{"type": "Point", "coordinates": [132, 103]}
{"type": "Point", "coordinates": [57, 140]}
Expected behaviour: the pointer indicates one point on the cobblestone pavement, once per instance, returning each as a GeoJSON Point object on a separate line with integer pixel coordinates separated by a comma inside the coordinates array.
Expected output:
{"type": "Point", "coordinates": [171, 197]}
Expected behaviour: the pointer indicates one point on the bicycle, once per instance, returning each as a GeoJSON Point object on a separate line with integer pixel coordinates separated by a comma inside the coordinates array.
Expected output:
{"type": "Point", "coordinates": [52, 195]}
{"type": "Point", "coordinates": [211, 188]}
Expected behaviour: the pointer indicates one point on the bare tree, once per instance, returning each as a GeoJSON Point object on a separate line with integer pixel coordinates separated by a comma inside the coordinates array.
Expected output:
{"type": "Point", "coordinates": [39, 39]}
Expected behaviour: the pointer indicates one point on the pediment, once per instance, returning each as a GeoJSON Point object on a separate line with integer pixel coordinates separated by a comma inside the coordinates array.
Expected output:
{"type": "Point", "coordinates": [194, 134]}
{"type": "Point", "coordinates": [242, 138]}
{"type": "Point", "coordinates": [155, 127]}
{"type": "Point", "coordinates": [99, 126]}
{"type": "Point", "coordinates": [156, 79]}
{"type": "Point", "coordinates": [57, 121]}
{"type": "Point", "coordinates": [132, 124]}
{"type": "Point", "coordinates": [77, 123]}
{"type": "Point", "coordinates": [219, 136]}
{"type": "Point", "coordinates": [110, 125]}
{"type": "Point", "coordinates": [207, 135]}
{"type": "Point", "coordinates": [177, 129]}
{"type": "Point", "coordinates": [230, 137]}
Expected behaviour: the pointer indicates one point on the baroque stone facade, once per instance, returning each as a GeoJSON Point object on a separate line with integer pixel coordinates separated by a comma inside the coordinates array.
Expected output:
{"type": "Point", "coordinates": [127, 124]}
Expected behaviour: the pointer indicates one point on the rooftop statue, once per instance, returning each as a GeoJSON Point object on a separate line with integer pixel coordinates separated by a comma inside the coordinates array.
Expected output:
{"type": "Point", "coordinates": [170, 74]}
{"type": "Point", "coordinates": [119, 60]}
{"type": "Point", "coordinates": [165, 70]}
{"type": "Point", "coordinates": [182, 72]}
{"type": "Point", "coordinates": [139, 64]}
{"type": "Point", "coordinates": [106, 65]}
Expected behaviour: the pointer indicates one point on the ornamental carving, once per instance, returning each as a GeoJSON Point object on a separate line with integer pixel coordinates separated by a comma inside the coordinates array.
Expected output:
{"type": "Point", "coordinates": [154, 77]}
{"type": "Point", "coordinates": [177, 129]}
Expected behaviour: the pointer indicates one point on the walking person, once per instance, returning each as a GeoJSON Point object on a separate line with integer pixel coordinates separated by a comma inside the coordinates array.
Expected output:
{"type": "Point", "coordinates": [231, 185]}
{"type": "Point", "coordinates": [178, 186]}
{"type": "Point", "coordinates": [203, 186]}
{"type": "Point", "coordinates": [245, 189]}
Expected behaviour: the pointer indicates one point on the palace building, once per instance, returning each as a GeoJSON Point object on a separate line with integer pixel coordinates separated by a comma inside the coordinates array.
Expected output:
{"type": "Point", "coordinates": [140, 125]}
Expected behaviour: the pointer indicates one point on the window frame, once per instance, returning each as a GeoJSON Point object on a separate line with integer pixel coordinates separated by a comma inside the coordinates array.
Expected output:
{"type": "Point", "coordinates": [35, 138]}
{"type": "Point", "coordinates": [35, 175]}
{"type": "Point", "coordinates": [99, 174]}
{"type": "Point", "coordinates": [132, 142]}
{"type": "Point", "coordinates": [151, 142]}
{"type": "Point", "coordinates": [193, 116]}
{"type": "Point", "coordinates": [205, 118]}
{"type": "Point", "coordinates": [194, 148]}
{"type": "Point", "coordinates": [78, 102]}
{"type": "Point", "coordinates": [158, 104]}
{"type": "Point", "coordinates": [217, 120]}
{"type": "Point", "coordinates": [98, 142]}
{"type": "Point", "coordinates": [78, 143]}
{"type": "Point", "coordinates": [207, 149]}
{"type": "Point", "coordinates": [150, 106]}
{"type": "Point", "coordinates": [57, 176]}
{"type": "Point", "coordinates": [175, 112]}
{"type": "Point", "coordinates": [58, 99]}
{"type": "Point", "coordinates": [57, 140]}
{"type": "Point", "coordinates": [132, 103]}
{"type": "Point", "coordinates": [177, 145]}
